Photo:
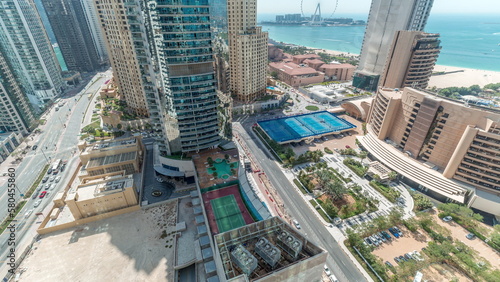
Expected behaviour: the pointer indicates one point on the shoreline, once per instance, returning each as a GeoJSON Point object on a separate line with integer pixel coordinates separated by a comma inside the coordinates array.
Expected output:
{"type": "Point", "coordinates": [460, 76]}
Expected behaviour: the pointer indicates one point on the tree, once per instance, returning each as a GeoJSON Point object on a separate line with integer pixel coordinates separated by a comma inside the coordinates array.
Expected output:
{"type": "Point", "coordinates": [362, 155]}
{"type": "Point", "coordinates": [119, 126]}
{"type": "Point", "coordinates": [335, 189]}
{"type": "Point", "coordinates": [274, 74]}
{"type": "Point", "coordinates": [392, 175]}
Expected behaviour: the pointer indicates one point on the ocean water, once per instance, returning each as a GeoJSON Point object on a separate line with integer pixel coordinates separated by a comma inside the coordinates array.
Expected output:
{"type": "Point", "coordinates": [469, 41]}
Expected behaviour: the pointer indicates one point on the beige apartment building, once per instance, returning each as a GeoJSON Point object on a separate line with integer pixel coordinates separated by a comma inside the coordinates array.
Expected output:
{"type": "Point", "coordinates": [441, 146]}
{"type": "Point", "coordinates": [122, 53]}
{"type": "Point", "coordinates": [100, 195]}
{"type": "Point", "coordinates": [125, 154]}
{"type": "Point", "coordinates": [247, 51]}
{"type": "Point", "coordinates": [411, 59]}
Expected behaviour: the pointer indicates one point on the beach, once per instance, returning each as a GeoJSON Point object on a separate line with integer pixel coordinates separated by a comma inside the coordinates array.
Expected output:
{"type": "Point", "coordinates": [465, 78]}
{"type": "Point", "coordinates": [459, 77]}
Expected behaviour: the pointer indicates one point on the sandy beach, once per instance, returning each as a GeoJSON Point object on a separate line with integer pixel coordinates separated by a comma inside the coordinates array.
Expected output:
{"type": "Point", "coordinates": [466, 78]}
{"type": "Point", "coordinates": [463, 77]}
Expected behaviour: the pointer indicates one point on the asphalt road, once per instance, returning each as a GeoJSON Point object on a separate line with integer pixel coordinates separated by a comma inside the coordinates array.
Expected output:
{"type": "Point", "coordinates": [296, 206]}
{"type": "Point", "coordinates": [55, 142]}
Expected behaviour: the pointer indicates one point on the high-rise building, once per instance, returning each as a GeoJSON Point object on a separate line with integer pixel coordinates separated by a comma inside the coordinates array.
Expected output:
{"type": "Point", "coordinates": [16, 112]}
{"type": "Point", "coordinates": [162, 58]}
{"type": "Point", "coordinates": [385, 18]}
{"type": "Point", "coordinates": [95, 30]}
{"type": "Point", "coordinates": [27, 48]}
{"type": "Point", "coordinates": [411, 60]}
{"type": "Point", "coordinates": [247, 50]}
{"type": "Point", "coordinates": [446, 148]}
{"type": "Point", "coordinates": [67, 19]}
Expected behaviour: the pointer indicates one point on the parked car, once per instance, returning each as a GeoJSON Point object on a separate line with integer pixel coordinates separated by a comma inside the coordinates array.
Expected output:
{"type": "Point", "coordinates": [327, 271]}
{"type": "Point", "coordinates": [399, 231]}
{"type": "Point", "coordinates": [470, 236]}
{"type": "Point", "coordinates": [389, 264]}
{"type": "Point", "coordinates": [49, 171]}
{"type": "Point", "coordinates": [35, 194]}
{"type": "Point", "coordinates": [408, 256]}
{"type": "Point", "coordinates": [394, 232]}
{"type": "Point", "coordinates": [368, 241]}
{"type": "Point", "coordinates": [396, 259]}
{"type": "Point", "coordinates": [37, 203]}
{"type": "Point", "coordinates": [55, 171]}
{"type": "Point", "coordinates": [51, 179]}
{"type": "Point", "coordinates": [447, 218]}
{"type": "Point", "coordinates": [47, 186]}
{"type": "Point", "coordinates": [402, 258]}
{"type": "Point", "coordinates": [417, 256]}
{"type": "Point", "coordinates": [28, 213]}
{"type": "Point", "coordinates": [296, 223]}
{"type": "Point", "coordinates": [34, 147]}
{"type": "Point", "coordinates": [42, 194]}
{"type": "Point", "coordinates": [58, 179]}
{"type": "Point", "coordinates": [45, 179]}
{"type": "Point", "coordinates": [386, 235]}
{"type": "Point", "coordinates": [382, 237]}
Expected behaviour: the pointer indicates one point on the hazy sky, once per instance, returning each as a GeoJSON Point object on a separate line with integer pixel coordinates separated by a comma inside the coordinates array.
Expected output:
{"type": "Point", "coordinates": [363, 6]}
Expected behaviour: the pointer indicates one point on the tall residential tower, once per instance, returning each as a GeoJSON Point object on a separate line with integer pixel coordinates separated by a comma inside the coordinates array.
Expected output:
{"type": "Point", "coordinates": [411, 59]}
{"type": "Point", "coordinates": [247, 50]}
{"type": "Point", "coordinates": [162, 57]}
{"type": "Point", "coordinates": [27, 48]}
{"type": "Point", "coordinates": [385, 18]}
{"type": "Point", "coordinates": [68, 22]}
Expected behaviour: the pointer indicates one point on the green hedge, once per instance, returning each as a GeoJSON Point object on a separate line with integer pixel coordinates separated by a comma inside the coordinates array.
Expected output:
{"type": "Point", "coordinates": [300, 186]}
{"type": "Point", "coordinates": [385, 190]}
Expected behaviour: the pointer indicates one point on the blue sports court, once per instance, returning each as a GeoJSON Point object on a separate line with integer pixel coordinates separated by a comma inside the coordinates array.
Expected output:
{"type": "Point", "coordinates": [296, 128]}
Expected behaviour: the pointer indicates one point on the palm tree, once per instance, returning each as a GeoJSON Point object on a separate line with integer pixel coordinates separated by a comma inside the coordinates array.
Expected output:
{"type": "Point", "coordinates": [392, 175]}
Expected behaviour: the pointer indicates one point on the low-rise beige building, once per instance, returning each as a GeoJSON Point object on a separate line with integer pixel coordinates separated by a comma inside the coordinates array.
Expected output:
{"type": "Point", "coordinates": [298, 59]}
{"type": "Point", "coordinates": [444, 147]}
{"type": "Point", "coordinates": [337, 71]}
{"type": "Point", "coordinates": [124, 154]}
{"type": "Point", "coordinates": [101, 195]}
{"type": "Point", "coordinates": [296, 75]}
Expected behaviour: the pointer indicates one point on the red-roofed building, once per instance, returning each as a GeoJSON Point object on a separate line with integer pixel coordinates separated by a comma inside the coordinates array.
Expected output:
{"type": "Point", "coordinates": [296, 75]}
{"type": "Point", "coordinates": [298, 59]}
{"type": "Point", "coordinates": [337, 71]}
{"type": "Point", "coordinates": [314, 63]}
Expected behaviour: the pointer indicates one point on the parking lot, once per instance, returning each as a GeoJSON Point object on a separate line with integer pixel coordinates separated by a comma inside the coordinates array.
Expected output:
{"type": "Point", "coordinates": [459, 233]}
{"type": "Point", "coordinates": [400, 246]}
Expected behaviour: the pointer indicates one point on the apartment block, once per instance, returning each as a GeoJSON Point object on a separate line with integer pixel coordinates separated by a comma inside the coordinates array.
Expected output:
{"type": "Point", "coordinates": [16, 112]}
{"type": "Point", "coordinates": [296, 75]}
{"type": "Point", "coordinates": [385, 18]}
{"type": "Point", "coordinates": [67, 19]}
{"type": "Point", "coordinates": [411, 60]}
{"type": "Point", "coordinates": [445, 147]}
{"type": "Point", "coordinates": [247, 51]}
{"type": "Point", "coordinates": [8, 143]}
{"type": "Point", "coordinates": [25, 45]}
{"type": "Point", "coordinates": [162, 57]}
{"type": "Point", "coordinates": [92, 20]}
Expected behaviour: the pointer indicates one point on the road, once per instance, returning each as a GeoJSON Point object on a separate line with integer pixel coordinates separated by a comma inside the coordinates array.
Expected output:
{"type": "Point", "coordinates": [297, 207]}
{"type": "Point", "coordinates": [57, 140]}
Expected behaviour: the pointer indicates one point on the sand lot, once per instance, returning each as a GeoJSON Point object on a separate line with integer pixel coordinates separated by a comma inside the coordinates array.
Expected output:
{"type": "Point", "coordinates": [400, 246]}
{"type": "Point", "coordinates": [482, 248]}
{"type": "Point", "coordinates": [443, 272]}
{"type": "Point", "coordinates": [122, 248]}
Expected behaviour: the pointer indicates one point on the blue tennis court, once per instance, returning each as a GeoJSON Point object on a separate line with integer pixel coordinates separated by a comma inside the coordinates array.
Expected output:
{"type": "Point", "coordinates": [302, 126]}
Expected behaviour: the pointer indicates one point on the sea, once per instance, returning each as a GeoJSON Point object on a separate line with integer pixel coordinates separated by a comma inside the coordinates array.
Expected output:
{"type": "Point", "coordinates": [468, 41]}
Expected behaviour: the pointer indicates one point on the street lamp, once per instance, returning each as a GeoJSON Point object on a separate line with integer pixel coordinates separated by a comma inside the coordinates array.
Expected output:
{"type": "Point", "coordinates": [45, 155]}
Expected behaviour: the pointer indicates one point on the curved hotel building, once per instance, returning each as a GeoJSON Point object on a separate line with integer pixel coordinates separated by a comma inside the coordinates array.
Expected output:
{"type": "Point", "coordinates": [443, 147]}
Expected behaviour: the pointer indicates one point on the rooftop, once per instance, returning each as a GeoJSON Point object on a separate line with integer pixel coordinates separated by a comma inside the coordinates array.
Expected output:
{"type": "Point", "coordinates": [307, 56]}
{"type": "Point", "coordinates": [338, 66]}
{"type": "Point", "coordinates": [292, 68]}
{"type": "Point", "coordinates": [111, 145]}
{"type": "Point", "coordinates": [106, 160]}
{"type": "Point", "coordinates": [104, 188]}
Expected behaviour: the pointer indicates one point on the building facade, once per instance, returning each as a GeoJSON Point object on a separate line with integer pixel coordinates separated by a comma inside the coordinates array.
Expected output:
{"type": "Point", "coordinates": [26, 46]}
{"type": "Point", "coordinates": [8, 143]}
{"type": "Point", "coordinates": [68, 22]}
{"type": "Point", "coordinates": [385, 18]}
{"type": "Point", "coordinates": [95, 30]}
{"type": "Point", "coordinates": [411, 60]}
{"type": "Point", "coordinates": [16, 112]}
{"type": "Point", "coordinates": [162, 56]}
{"type": "Point", "coordinates": [247, 51]}
{"type": "Point", "coordinates": [296, 75]}
{"type": "Point", "coordinates": [453, 149]}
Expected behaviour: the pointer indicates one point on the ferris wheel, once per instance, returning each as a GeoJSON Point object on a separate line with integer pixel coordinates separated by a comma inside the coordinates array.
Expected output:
{"type": "Point", "coordinates": [316, 18]}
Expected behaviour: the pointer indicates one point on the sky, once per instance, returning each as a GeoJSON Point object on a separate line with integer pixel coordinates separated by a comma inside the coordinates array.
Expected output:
{"type": "Point", "coordinates": [363, 6]}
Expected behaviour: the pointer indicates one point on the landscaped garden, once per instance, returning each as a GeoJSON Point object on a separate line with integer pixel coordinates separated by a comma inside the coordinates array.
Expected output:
{"type": "Point", "coordinates": [356, 166]}
{"type": "Point", "coordinates": [391, 194]}
{"type": "Point", "coordinates": [222, 168]}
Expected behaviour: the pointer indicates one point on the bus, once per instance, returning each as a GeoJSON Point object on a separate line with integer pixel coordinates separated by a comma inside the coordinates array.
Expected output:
{"type": "Point", "coordinates": [56, 164]}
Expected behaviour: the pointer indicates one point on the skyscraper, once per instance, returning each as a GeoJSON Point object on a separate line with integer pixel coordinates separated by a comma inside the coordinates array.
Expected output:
{"type": "Point", "coordinates": [162, 59]}
{"type": "Point", "coordinates": [411, 59]}
{"type": "Point", "coordinates": [16, 112]}
{"type": "Point", "coordinates": [68, 22]}
{"type": "Point", "coordinates": [27, 48]}
{"type": "Point", "coordinates": [95, 30]}
{"type": "Point", "coordinates": [385, 18]}
{"type": "Point", "coordinates": [247, 50]}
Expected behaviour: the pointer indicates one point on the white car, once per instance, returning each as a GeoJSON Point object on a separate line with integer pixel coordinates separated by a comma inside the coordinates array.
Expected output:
{"type": "Point", "coordinates": [57, 179]}
{"type": "Point", "coordinates": [296, 223]}
{"type": "Point", "coordinates": [447, 218]}
{"type": "Point", "coordinates": [327, 271]}
{"type": "Point", "coordinates": [51, 179]}
{"type": "Point", "coordinates": [28, 213]}
{"type": "Point", "coordinates": [37, 203]}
